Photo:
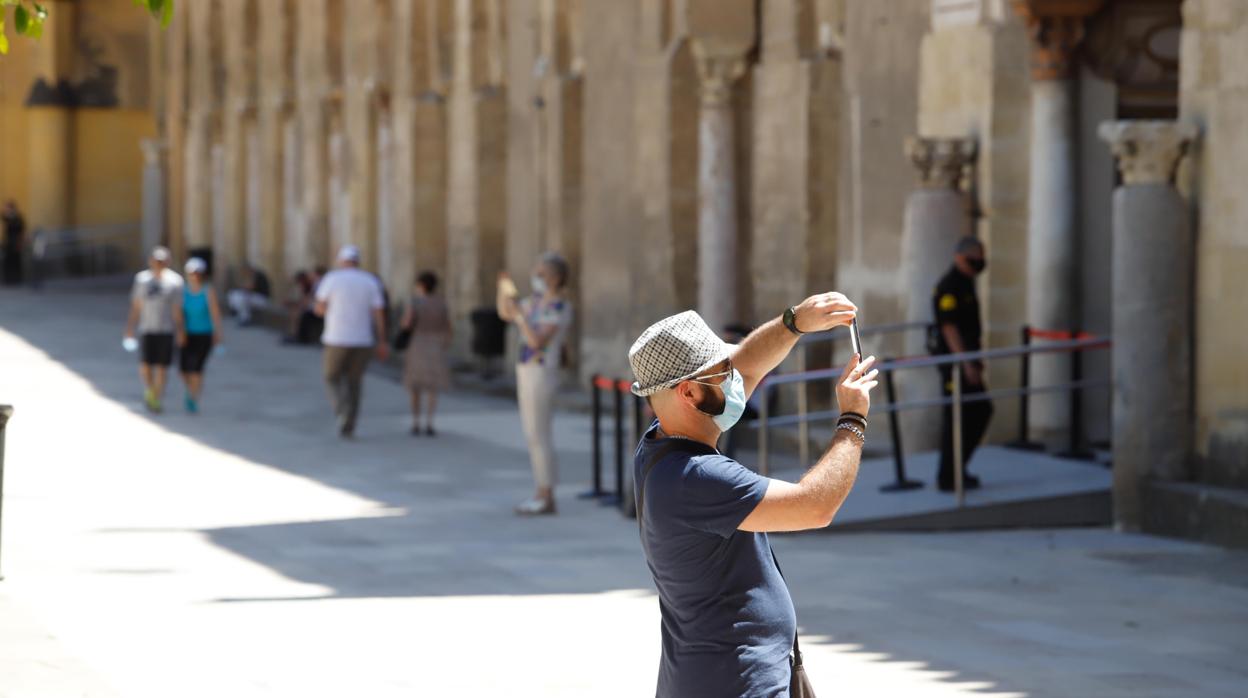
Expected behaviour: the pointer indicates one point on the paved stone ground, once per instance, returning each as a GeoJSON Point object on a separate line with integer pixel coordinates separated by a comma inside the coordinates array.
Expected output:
{"type": "Point", "coordinates": [248, 552]}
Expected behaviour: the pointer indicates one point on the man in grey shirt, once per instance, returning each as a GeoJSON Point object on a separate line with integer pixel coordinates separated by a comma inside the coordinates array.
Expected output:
{"type": "Point", "coordinates": [156, 309]}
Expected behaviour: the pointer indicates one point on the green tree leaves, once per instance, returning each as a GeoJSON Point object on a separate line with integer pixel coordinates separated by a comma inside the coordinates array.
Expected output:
{"type": "Point", "coordinates": [160, 9]}
{"type": "Point", "coordinates": [29, 15]}
{"type": "Point", "coordinates": [28, 19]}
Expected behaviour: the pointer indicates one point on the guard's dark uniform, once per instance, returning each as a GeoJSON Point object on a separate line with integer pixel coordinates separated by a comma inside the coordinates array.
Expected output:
{"type": "Point", "coordinates": [954, 301]}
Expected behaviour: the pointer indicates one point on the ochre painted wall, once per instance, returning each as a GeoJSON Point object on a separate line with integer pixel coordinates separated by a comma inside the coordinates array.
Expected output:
{"type": "Point", "coordinates": [108, 164]}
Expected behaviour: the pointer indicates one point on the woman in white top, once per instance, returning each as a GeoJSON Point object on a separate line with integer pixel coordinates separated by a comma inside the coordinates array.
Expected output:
{"type": "Point", "coordinates": [543, 320]}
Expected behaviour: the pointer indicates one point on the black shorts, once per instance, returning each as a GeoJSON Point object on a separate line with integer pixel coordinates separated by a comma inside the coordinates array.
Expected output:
{"type": "Point", "coordinates": [194, 355]}
{"type": "Point", "coordinates": [156, 349]}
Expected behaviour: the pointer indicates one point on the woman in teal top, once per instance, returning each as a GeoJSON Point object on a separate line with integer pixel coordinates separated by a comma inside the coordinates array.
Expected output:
{"type": "Point", "coordinates": [201, 329]}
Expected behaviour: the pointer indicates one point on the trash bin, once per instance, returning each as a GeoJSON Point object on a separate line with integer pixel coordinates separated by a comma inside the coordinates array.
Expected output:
{"type": "Point", "coordinates": [489, 339]}
{"type": "Point", "coordinates": [6, 411]}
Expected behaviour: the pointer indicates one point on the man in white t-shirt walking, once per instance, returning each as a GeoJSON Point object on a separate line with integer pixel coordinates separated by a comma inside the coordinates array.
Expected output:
{"type": "Point", "coordinates": [352, 302]}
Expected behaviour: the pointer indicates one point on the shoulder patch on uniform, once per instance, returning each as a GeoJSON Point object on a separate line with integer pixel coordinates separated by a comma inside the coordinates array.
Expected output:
{"type": "Point", "coordinates": [948, 302]}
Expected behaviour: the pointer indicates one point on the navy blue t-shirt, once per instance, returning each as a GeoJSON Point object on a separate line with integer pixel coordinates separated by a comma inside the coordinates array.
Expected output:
{"type": "Point", "coordinates": [728, 620]}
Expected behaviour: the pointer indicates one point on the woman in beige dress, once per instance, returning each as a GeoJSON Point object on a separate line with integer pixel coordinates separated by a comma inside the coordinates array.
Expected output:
{"type": "Point", "coordinates": [425, 367]}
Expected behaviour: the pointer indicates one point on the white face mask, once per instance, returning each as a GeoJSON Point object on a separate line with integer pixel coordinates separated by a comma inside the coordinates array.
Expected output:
{"type": "Point", "coordinates": [733, 388]}
{"type": "Point", "coordinates": [538, 284]}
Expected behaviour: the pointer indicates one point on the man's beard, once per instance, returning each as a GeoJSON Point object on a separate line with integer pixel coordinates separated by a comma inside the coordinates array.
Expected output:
{"type": "Point", "coordinates": [713, 401]}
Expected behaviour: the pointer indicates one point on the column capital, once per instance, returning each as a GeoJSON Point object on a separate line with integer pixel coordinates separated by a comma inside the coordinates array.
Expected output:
{"type": "Point", "coordinates": [717, 72]}
{"type": "Point", "coordinates": [941, 161]}
{"type": "Point", "coordinates": [1056, 29]}
{"type": "Point", "coordinates": [1148, 152]}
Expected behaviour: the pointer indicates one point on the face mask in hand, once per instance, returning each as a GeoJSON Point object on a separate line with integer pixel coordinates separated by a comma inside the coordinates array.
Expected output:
{"type": "Point", "coordinates": [538, 284]}
{"type": "Point", "coordinates": [733, 406]}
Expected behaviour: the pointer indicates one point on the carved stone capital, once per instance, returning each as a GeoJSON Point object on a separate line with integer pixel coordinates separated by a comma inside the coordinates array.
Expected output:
{"type": "Point", "coordinates": [942, 162]}
{"type": "Point", "coordinates": [1148, 152]}
{"type": "Point", "coordinates": [1056, 28]}
{"type": "Point", "coordinates": [717, 73]}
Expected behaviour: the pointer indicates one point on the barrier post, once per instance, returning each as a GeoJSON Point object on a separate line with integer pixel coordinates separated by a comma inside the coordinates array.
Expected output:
{"type": "Point", "coordinates": [6, 411]}
{"type": "Point", "coordinates": [957, 434]}
{"type": "Point", "coordinates": [595, 439]}
{"type": "Point", "coordinates": [900, 483]}
{"type": "Point", "coordinates": [1075, 447]}
{"type": "Point", "coordinates": [764, 467]}
{"type": "Point", "coordinates": [1023, 442]}
{"type": "Point", "coordinates": [618, 409]}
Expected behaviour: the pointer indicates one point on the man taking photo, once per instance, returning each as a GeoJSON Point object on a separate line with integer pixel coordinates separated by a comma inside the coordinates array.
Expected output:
{"type": "Point", "coordinates": [729, 627]}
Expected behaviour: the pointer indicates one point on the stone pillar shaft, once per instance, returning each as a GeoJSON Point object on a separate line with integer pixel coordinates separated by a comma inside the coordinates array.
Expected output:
{"type": "Point", "coordinates": [1056, 28]}
{"type": "Point", "coordinates": [717, 189]}
{"type": "Point", "coordinates": [154, 173]}
{"type": "Point", "coordinates": [1152, 301]}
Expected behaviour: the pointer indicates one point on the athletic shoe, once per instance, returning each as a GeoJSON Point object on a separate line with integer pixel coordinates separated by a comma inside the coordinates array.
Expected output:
{"type": "Point", "coordinates": [191, 405]}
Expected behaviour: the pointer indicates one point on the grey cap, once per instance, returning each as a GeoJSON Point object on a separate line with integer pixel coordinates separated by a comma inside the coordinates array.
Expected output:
{"type": "Point", "coordinates": [160, 253]}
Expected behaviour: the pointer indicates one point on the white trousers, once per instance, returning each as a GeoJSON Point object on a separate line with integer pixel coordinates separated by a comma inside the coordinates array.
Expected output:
{"type": "Point", "coordinates": [536, 386]}
{"type": "Point", "coordinates": [241, 303]}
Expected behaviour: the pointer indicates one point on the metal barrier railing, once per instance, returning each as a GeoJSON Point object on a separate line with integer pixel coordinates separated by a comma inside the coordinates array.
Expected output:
{"type": "Point", "coordinates": [6, 411]}
{"type": "Point", "coordinates": [765, 421]}
{"type": "Point", "coordinates": [801, 360]}
{"type": "Point", "coordinates": [83, 251]}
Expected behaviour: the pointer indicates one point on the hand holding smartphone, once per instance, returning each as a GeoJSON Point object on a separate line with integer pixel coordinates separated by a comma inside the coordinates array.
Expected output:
{"type": "Point", "coordinates": [508, 287]}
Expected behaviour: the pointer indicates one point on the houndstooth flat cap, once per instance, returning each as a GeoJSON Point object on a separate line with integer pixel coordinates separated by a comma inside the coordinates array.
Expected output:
{"type": "Point", "coordinates": [672, 350]}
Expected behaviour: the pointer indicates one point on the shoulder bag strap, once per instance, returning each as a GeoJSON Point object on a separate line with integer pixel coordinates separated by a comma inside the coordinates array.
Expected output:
{"type": "Point", "coordinates": [671, 446]}
{"type": "Point", "coordinates": [797, 647]}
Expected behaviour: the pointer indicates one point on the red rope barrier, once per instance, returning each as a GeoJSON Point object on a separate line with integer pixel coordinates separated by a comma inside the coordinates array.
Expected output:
{"type": "Point", "coordinates": [604, 383]}
{"type": "Point", "coordinates": [1058, 335]}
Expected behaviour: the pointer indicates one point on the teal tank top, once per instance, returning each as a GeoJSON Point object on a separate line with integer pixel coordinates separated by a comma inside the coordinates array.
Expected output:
{"type": "Point", "coordinates": [195, 312]}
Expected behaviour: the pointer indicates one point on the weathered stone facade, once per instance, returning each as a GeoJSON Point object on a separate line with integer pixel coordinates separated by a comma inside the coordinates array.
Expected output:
{"type": "Point", "coordinates": [733, 156]}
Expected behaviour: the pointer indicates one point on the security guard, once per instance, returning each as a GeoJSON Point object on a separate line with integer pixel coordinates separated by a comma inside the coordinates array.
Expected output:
{"type": "Point", "coordinates": [957, 329]}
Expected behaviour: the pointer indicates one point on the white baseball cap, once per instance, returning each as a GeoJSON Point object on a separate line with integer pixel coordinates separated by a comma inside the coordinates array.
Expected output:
{"type": "Point", "coordinates": [348, 253]}
{"type": "Point", "coordinates": [195, 265]}
{"type": "Point", "coordinates": [160, 253]}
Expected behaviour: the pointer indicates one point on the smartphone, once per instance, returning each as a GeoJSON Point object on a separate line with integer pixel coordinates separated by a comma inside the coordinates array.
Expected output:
{"type": "Point", "coordinates": [854, 338]}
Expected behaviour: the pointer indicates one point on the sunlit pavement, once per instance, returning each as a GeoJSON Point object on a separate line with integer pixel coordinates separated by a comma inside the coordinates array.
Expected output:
{"type": "Point", "coordinates": [246, 551]}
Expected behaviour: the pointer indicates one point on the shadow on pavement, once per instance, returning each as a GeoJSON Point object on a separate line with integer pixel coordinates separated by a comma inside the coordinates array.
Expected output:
{"type": "Point", "coordinates": [445, 526]}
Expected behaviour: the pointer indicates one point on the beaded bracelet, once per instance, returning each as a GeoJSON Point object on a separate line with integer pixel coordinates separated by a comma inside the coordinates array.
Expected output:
{"type": "Point", "coordinates": [860, 423]}
{"type": "Point", "coordinates": [846, 426]}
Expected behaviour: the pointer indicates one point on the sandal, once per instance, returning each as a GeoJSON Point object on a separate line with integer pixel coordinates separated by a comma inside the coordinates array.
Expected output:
{"type": "Point", "coordinates": [535, 507]}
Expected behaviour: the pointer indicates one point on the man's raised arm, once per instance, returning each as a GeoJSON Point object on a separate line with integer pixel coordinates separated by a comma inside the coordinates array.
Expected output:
{"type": "Point", "coordinates": [767, 346]}
{"type": "Point", "coordinates": [815, 499]}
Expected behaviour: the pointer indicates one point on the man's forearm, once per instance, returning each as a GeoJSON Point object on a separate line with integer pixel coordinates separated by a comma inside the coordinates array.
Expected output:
{"type": "Point", "coordinates": [829, 480]}
{"type": "Point", "coordinates": [763, 350]}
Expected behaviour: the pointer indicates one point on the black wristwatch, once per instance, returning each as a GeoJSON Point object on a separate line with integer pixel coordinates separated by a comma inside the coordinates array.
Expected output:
{"type": "Point", "coordinates": [790, 321]}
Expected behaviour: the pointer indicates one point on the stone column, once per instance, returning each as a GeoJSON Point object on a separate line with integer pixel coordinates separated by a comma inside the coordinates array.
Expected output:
{"type": "Point", "coordinates": [1056, 28]}
{"type": "Point", "coordinates": [153, 224]}
{"type": "Point", "coordinates": [717, 186]}
{"type": "Point", "coordinates": [361, 84]}
{"type": "Point", "coordinates": [312, 83]}
{"type": "Point", "coordinates": [276, 69]}
{"type": "Point", "coordinates": [937, 216]}
{"type": "Point", "coordinates": [238, 55]}
{"type": "Point", "coordinates": [1152, 300]}
{"type": "Point", "coordinates": [476, 164]}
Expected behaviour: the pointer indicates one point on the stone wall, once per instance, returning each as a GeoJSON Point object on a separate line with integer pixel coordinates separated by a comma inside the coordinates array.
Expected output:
{"type": "Point", "coordinates": [1214, 95]}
